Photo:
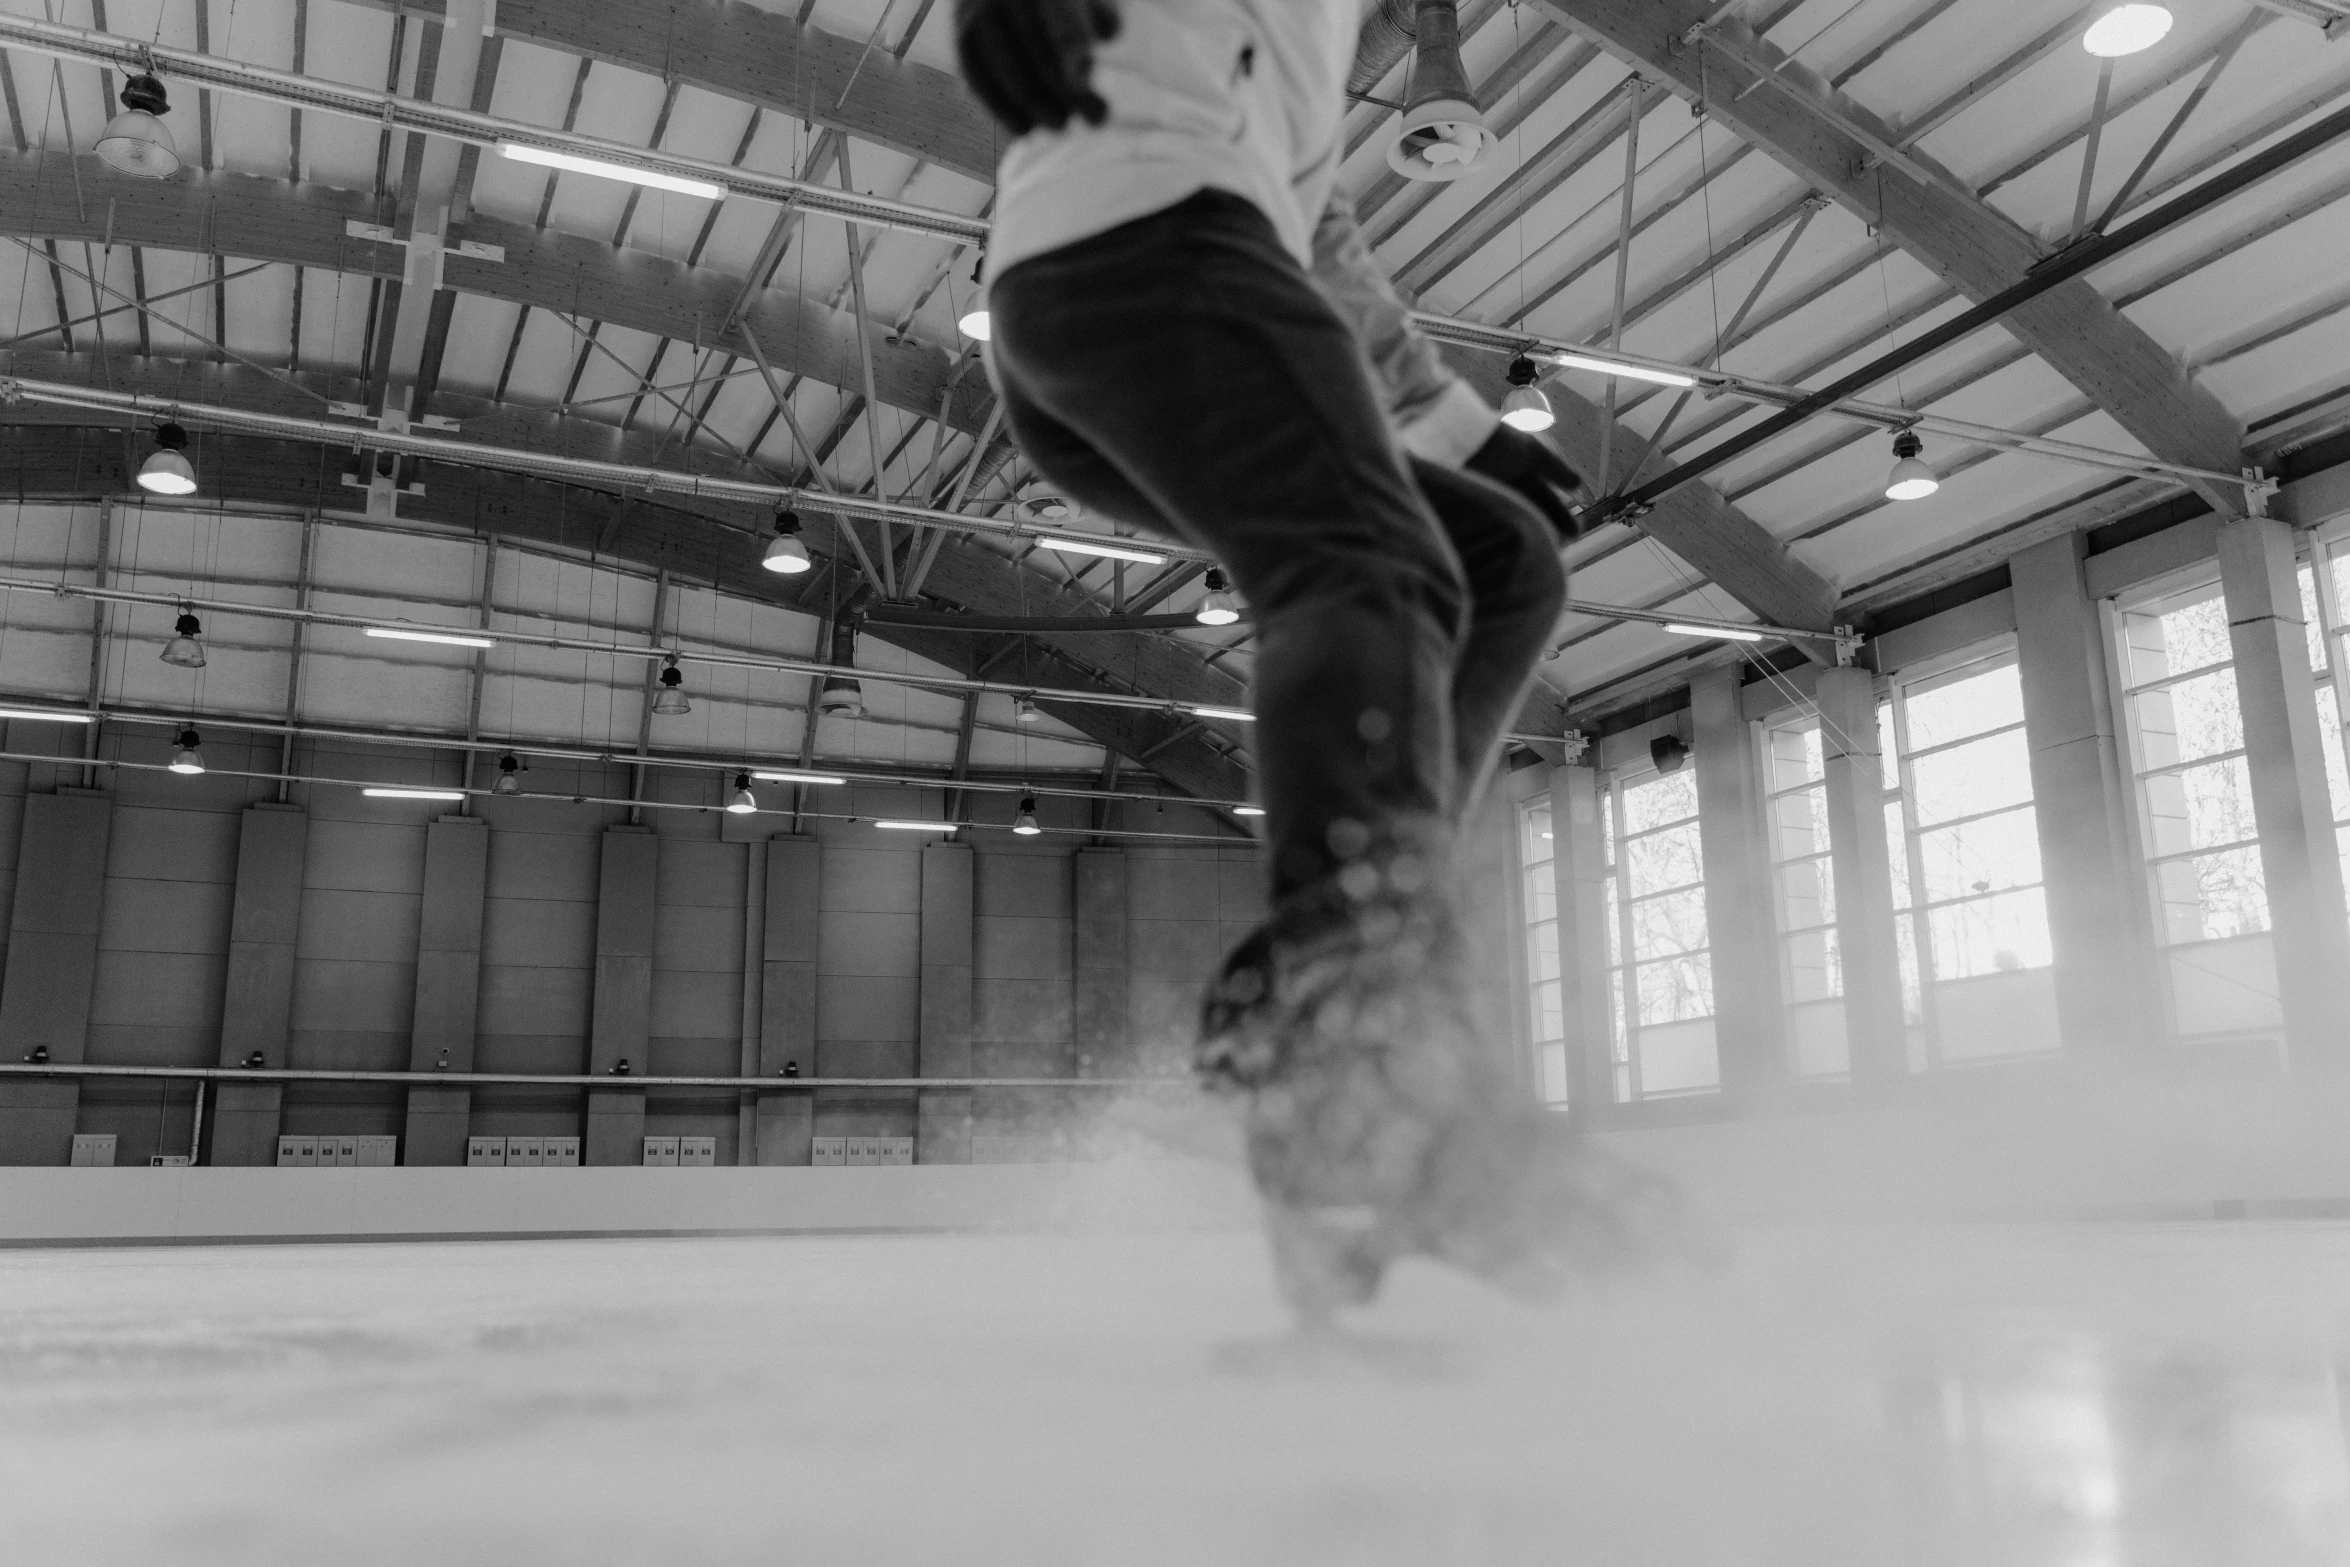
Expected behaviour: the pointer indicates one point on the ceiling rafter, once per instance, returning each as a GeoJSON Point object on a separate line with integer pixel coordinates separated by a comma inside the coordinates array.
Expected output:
{"type": "Point", "coordinates": [1819, 133]}
{"type": "Point", "coordinates": [710, 542]}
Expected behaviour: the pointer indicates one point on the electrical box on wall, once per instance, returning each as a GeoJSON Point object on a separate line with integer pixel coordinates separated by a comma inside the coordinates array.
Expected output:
{"type": "Point", "coordinates": [485, 1152]}
{"type": "Point", "coordinates": [562, 1151]}
{"type": "Point", "coordinates": [661, 1151]}
{"type": "Point", "coordinates": [525, 1152]}
{"type": "Point", "coordinates": [699, 1153]}
{"type": "Point", "coordinates": [297, 1152]}
{"type": "Point", "coordinates": [93, 1150]}
{"type": "Point", "coordinates": [862, 1150]}
{"type": "Point", "coordinates": [378, 1153]}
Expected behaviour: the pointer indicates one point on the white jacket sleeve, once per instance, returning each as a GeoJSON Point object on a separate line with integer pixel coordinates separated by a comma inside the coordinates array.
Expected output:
{"type": "Point", "coordinates": [1435, 414]}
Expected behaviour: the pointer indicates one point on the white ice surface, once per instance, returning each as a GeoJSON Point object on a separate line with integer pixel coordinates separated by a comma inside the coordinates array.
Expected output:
{"type": "Point", "coordinates": [2076, 1397]}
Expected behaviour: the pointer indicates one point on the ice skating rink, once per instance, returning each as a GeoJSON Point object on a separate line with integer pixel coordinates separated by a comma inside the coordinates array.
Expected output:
{"type": "Point", "coordinates": [2061, 1396]}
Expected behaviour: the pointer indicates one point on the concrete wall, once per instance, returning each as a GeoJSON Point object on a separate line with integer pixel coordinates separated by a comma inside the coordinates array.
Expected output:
{"type": "Point", "coordinates": [168, 895]}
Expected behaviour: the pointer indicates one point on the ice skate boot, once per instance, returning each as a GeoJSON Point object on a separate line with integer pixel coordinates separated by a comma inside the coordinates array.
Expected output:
{"type": "Point", "coordinates": [1378, 1125]}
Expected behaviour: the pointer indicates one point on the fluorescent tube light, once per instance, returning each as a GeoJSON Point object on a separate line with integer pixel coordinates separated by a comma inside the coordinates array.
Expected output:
{"type": "Point", "coordinates": [920, 826]}
{"type": "Point", "coordinates": [1248, 810]}
{"type": "Point", "coordinates": [798, 777]}
{"type": "Point", "coordinates": [445, 638]}
{"type": "Point", "coordinates": [1106, 551]}
{"type": "Point", "coordinates": [549, 158]}
{"type": "Point", "coordinates": [1233, 713]}
{"type": "Point", "coordinates": [1628, 372]}
{"type": "Point", "coordinates": [1682, 628]}
{"type": "Point", "coordinates": [51, 715]}
{"type": "Point", "coordinates": [414, 794]}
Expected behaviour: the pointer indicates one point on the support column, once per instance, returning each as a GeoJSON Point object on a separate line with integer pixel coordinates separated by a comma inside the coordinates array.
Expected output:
{"type": "Point", "coordinates": [622, 1025]}
{"type": "Point", "coordinates": [1579, 865]}
{"type": "Point", "coordinates": [1750, 1014]}
{"type": "Point", "coordinates": [2097, 925]}
{"type": "Point", "coordinates": [1855, 790]}
{"type": "Point", "coordinates": [448, 986]}
{"type": "Point", "coordinates": [256, 1011]}
{"type": "Point", "coordinates": [52, 963]}
{"type": "Point", "coordinates": [2285, 753]}
{"type": "Point", "coordinates": [942, 1121]}
{"type": "Point", "coordinates": [1099, 1002]}
{"type": "Point", "coordinates": [787, 997]}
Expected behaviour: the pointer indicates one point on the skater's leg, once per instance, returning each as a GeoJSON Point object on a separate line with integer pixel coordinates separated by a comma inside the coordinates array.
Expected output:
{"type": "Point", "coordinates": [1193, 355]}
{"type": "Point", "coordinates": [1516, 589]}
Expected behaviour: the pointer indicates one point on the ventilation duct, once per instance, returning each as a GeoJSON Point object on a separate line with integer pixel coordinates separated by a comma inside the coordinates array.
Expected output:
{"type": "Point", "coordinates": [842, 695]}
{"type": "Point", "coordinates": [1442, 135]}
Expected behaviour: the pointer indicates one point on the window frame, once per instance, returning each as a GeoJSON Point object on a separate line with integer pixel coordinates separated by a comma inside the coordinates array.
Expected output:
{"type": "Point", "coordinates": [1624, 1026]}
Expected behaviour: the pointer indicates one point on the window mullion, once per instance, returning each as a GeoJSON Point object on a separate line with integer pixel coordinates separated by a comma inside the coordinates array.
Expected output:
{"type": "Point", "coordinates": [1921, 936]}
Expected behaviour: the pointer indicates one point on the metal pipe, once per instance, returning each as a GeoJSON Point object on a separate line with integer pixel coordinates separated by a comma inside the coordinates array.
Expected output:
{"type": "Point", "coordinates": [394, 112]}
{"type": "Point", "coordinates": [117, 764]}
{"type": "Point", "coordinates": [435, 741]}
{"type": "Point", "coordinates": [97, 689]}
{"type": "Point", "coordinates": [1636, 90]}
{"type": "Point", "coordinates": [239, 1074]}
{"type": "Point", "coordinates": [285, 758]}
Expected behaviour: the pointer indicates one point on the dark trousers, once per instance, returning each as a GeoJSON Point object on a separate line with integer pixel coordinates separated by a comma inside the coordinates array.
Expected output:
{"type": "Point", "coordinates": [1181, 373]}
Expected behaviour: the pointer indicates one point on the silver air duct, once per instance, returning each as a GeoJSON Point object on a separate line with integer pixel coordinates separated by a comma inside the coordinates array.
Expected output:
{"type": "Point", "coordinates": [842, 695]}
{"type": "Point", "coordinates": [1442, 135]}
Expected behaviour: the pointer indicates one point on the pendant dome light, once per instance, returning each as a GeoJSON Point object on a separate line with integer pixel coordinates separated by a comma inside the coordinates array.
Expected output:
{"type": "Point", "coordinates": [785, 552]}
{"type": "Point", "coordinates": [509, 774]}
{"type": "Point", "coordinates": [167, 470]}
{"type": "Point", "coordinates": [670, 702]}
{"type": "Point", "coordinates": [183, 651]}
{"type": "Point", "coordinates": [1025, 711]}
{"type": "Point", "coordinates": [188, 755]}
{"type": "Point", "coordinates": [2125, 29]}
{"type": "Point", "coordinates": [976, 323]}
{"type": "Point", "coordinates": [743, 802]}
{"type": "Point", "coordinates": [1024, 824]}
{"type": "Point", "coordinates": [1911, 479]}
{"type": "Point", "coordinates": [135, 141]}
{"type": "Point", "coordinates": [1526, 408]}
{"type": "Point", "coordinates": [1217, 609]}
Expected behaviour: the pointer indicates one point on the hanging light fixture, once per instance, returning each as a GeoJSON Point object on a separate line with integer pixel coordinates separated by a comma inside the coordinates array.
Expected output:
{"type": "Point", "coordinates": [976, 324]}
{"type": "Point", "coordinates": [1526, 408]}
{"type": "Point", "coordinates": [670, 702]}
{"type": "Point", "coordinates": [188, 755]}
{"type": "Point", "coordinates": [785, 552]}
{"type": "Point", "coordinates": [743, 803]}
{"type": "Point", "coordinates": [1911, 479]}
{"type": "Point", "coordinates": [509, 774]}
{"type": "Point", "coordinates": [167, 470]}
{"type": "Point", "coordinates": [2126, 29]}
{"type": "Point", "coordinates": [183, 650]}
{"type": "Point", "coordinates": [1025, 711]}
{"type": "Point", "coordinates": [135, 141]}
{"type": "Point", "coordinates": [1025, 823]}
{"type": "Point", "coordinates": [1217, 609]}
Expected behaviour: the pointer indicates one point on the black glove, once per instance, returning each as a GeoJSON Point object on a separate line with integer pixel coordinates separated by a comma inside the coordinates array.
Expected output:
{"type": "Point", "coordinates": [1530, 466]}
{"type": "Point", "coordinates": [1031, 61]}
